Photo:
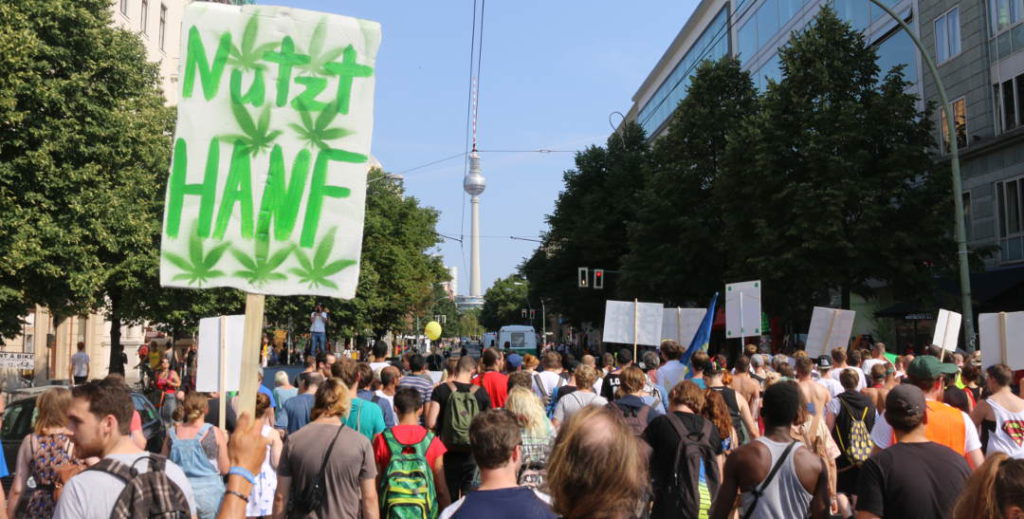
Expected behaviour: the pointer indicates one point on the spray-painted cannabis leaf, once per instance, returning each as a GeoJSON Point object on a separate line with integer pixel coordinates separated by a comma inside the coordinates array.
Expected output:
{"type": "Point", "coordinates": [259, 269]}
{"type": "Point", "coordinates": [316, 133]}
{"type": "Point", "coordinates": [199, 267]}
{"type": "Point", "coordinates": [248, 56]}
{"type": "Point", "coordinates": [317, 57]}
{"type": "Point", "coordinates": [256, 136]}
{"type": "Point", "coordinates": [316, 272]}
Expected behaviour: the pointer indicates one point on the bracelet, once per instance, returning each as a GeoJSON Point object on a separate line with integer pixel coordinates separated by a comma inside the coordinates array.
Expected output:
{"type": "Point", "coordinates": [243, 472]}
{"type": "Point", "coordinates": [239, 495]}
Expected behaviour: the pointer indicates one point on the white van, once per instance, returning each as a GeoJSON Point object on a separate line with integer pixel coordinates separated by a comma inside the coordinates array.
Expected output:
{"type": "Point", "coordinates": [521, 339]}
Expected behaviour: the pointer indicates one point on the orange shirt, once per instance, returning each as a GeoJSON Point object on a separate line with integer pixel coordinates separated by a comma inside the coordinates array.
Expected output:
{"type": "Point", "coordinates": [945, 426]}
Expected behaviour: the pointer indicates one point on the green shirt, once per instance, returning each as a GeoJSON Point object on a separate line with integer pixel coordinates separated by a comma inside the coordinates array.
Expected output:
{"type": "Point", "coordinates": [365, 417]}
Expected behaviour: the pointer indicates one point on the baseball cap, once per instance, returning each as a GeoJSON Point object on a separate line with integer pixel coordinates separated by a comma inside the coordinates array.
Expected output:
{"type": "Point", "coordinates": [824, 362]}
{"type": "Point", "coordinates": [904, 401]}
{"type": "Point", "coordinates": [624, 356]}
{"type": "Point", "coordinates": [514, 360]}
{"type": "Point", "coordinates": [927, 367]}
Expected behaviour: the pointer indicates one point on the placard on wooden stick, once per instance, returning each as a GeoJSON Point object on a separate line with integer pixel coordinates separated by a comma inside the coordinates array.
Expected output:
{"type": "Point", "coordinates": [681, 324]}
{"type": "Point", "coordinates": [830, 328]}
{"type": "Point", "coordinates": [1002, 339]}
{"type": "Point", "coordinates": [743, 310]}
{"type": "Point", "coordinates": [628, 322]}
{"type": "Point", "coordinates": [947, 331]}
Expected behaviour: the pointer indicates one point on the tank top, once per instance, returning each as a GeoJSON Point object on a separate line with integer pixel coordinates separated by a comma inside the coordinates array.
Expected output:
{"type": "Point", "coordinates": [785, 496]}
{"type": "Point", "coordinates": [729, 395]}
{"type": "Point", "coordinates": [1008, 437]}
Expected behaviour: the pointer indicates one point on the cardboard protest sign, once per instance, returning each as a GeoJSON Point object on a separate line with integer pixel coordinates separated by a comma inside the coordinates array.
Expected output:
{"type": "Point", "coordinates": [623, 318]}
{"type": "Point", "coordinates": [680, 324]}
{"type": "Point", "coordinates": [1002, 339]}
{"type": "Point", "coordinates": [209, 363]}
{"type": "Point", "coordinates": [267, 185]}
{"type": "Point", "coordinates": [830, 328]}
{"type": "Point", "coordinates": [947, 330]}
{"type": "Point", "coordinates": [743, 309]}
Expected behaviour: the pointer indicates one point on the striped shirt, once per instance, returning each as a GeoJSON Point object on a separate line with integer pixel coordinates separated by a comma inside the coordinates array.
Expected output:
{"type": "Point", "coordinates": [420, 383]}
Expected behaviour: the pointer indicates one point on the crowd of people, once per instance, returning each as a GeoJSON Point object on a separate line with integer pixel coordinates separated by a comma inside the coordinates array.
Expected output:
{"type": "Point", "coordinates": [849, 434]}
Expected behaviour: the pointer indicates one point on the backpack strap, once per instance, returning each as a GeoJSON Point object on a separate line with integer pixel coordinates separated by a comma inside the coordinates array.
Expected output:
{"type": "Point", "coordinates": [758, 491]}
{"type": "Point", "coordinates": [540, 385]}
{"type": "Point", "coordinates": [115, 468]}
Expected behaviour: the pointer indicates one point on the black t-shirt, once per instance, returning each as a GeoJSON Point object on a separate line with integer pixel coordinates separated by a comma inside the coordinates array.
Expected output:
{"type": "Point", "coordinates": [662, 438]}
{"type": "Point", "coordinates": [912, 480]}
{"type": "Point", "coordinates": [511, 503]}
{"type": "Point", "coordinates": [957, 398]}
{"type": "Point", "coordinates": [608, 387]}
{"type": "Point", "coordinates": [442, 392]}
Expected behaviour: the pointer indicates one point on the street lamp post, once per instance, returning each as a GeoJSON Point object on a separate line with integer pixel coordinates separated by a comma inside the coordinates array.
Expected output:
{"type": "Point", "coordinates": [958, 201]}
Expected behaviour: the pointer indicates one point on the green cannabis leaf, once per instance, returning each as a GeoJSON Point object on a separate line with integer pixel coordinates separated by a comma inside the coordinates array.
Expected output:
{"type": "Point", "coordinates": [255, 135]}
{"type": "Point", "coordinates": [248, 56]}
{"type": "Point", "coordinates": [318, 58]}
{"type": "Point", "coordinates": [316, 272]}
{"type": "Point", "coordinates": [258, 268]}
{"type": "Point", "coordinates": [316, 133]}
{"type": "Point", "coordinates": [198, 268]}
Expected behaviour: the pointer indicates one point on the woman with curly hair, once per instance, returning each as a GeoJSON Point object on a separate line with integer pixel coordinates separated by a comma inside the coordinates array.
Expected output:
{"type": "Point", "coordinates": [717, 412]}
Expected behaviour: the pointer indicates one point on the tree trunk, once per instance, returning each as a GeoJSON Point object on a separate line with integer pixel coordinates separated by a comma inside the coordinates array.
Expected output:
{"type": "Point", "coordinates": [845, 295]}
{"type": "Point", "coordinates": [116, 366]}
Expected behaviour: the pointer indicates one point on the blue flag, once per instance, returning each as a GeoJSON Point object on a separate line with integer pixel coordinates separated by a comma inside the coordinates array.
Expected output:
{"type": "Point", "coordinates": [703, 336]}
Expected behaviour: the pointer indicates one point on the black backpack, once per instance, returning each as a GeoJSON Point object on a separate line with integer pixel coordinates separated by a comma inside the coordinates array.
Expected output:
{"type": "Point", "coordinates": [694, 480]}
{"type": "Point", "coordinates": [151, 494]}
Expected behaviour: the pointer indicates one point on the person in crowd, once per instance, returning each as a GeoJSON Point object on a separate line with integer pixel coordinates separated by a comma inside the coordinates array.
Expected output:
{"type": "Point", "coordinates": [492, 380]}
{"type": "Point", "coordinates": [915, 477]}
{"type": "Point", "coordinates": [745, 385]}
{"type": "Point", "coordinates": [635, 407]}
{"type": "Point", "coordinates": [717, 412]}
{"type": "Point", "coordinates": [610, 384]}
{"type": "Point", "coordinates": [945, 425]}
{"type": "Point", "coordinates": [839, 363]}
{"type": "Point", "coordinates": [758, 369]}
{"type": "Point", "coordinates": [41, 455]}
{"type": "Point", "coordinates": [671, 371]}
{"type": "Point", "coordinates": [80, 365]}
{"type": "Point", "coordinates": [547, 382]}
{"type": "Point", "coordinates": [970, 377]}
{"type": "Point", "coordinates": [324, 361]}
{"type": "Point", "coordinates": [410, 435]}
{"type": "Point", "coordinates": [200, 449]}
{"type": "Point", "coordinates": [246, 452]}
{"type": "Point", "coordinates": [580, 481]}
{"type": "Point", "coordinates": [318, 330]}
{"type": "Point", "coordinates": [530, 363]}
{"type": "Point", "coordinates": [364, 416]}
{"type": "Point", "coordinates": [877, 357]}
{"type": "Point", "coordinates": [261, 497]}
{"type": "Point", "coordinates": [419, 379]}
{"type": "Point", "coordinates": [296, 412]}
{"type": "Point", "coordinates": [570, 404]}
{"type": "Point", "coordinates": [520, 379]}
{"type": "Point", "coordinates": [283, 390]}
{"type": "Point", "coordinates": [497, 447]}
{"type": "Point", "coordinates": [742, 420]}
{"type": "Point", "coordinates": [366, 379]}
{"type": "Point", "coordinates": [213, 415]}
{"type": "Point", "coordinates": [310, 367]}
{"type": "Point", "coordinates": [1005, 409]}
{"type": "Point", "coordinates": [994, 491]}
{"type": "Point", "coordinates": [841, 413]}
{"type": "Point", "coordinates": [537, 433]}
{"type": "Point", "coordinates": [167, 383]}
{"type": "Point", "coordinates": [445, 420]}
{"type": "Point", "coordinates": [877, 385]}
{"type": "Point", "coordinates": [380, 358]}
{"type": "Point", "coordinates": [799, 485]}
{"type": "Point", "coordinates": [327, 448]}
{"type": "Point", "coordinates": [824, 366]}
{"type": "Point", "coordinates": [671, 477]}
{"type": "Point", "coordinates": [513, 363]}
{"type": "Point", "coordinates": [699, 363]}
{"type": "Point", "coordinates": [388, 384]}
{"type": "Point", "coordinates": [98, 422]}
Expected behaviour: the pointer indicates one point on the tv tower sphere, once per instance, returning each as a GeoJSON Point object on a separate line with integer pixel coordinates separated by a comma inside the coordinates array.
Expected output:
{"type": "Point", "coordinates": [474, 183]}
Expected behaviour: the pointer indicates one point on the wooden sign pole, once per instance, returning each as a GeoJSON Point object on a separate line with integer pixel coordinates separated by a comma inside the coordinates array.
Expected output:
{"type": "Point", "coordinates": [828, 334]}
{"type": "Point", "coordinates": [1002, 337]}
{"type": "Point", "coordinates": [636, 325]}
{"type": "Point", "coordinates": [222, 396]}
{"type": "Point", "coordinates": [250, 353]}
{"type": "Point", "coordinates": [945, 336]}
{"type": "Point", "coordinates": [679, 325]}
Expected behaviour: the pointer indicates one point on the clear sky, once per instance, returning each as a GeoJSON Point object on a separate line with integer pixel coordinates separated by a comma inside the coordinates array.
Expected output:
{"type": "Point", "coordinates": [552, 73]}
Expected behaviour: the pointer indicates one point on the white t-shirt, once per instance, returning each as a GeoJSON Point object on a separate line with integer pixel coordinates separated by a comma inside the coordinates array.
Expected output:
{"type": "Point", "coordinates": [80, 364]}
{"type": "Point", "coordinates": [881, 434]}
{"type": "Point", "coordinates": [549, 380]}
{"type": "Point", "coordinates": [861, 381]}
{"type": "Point", "coordinates": [832, 385]}
{"type": "Point", "coordinates": [570, 404]}
{"type": "Point", "coordinates": [868, 364]}
{"type": "Point", "coordinates": [93, 493]}
{"type": "Point", "coordinates": [317, 324]}
{"type": "Point", "coordinates": [378, 366]}
{"type": "Point", "coordinates": [390, 399]}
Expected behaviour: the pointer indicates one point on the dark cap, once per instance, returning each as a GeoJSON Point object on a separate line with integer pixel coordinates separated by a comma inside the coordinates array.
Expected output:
{"type": "Point", "coordinates": [903, 402]}
{"type": "Point", "coordinates": [927, 367]}
{"type": "Point", "coordinates": [824, 362]}
{"type": "Point", "coordinates": [624, 355]}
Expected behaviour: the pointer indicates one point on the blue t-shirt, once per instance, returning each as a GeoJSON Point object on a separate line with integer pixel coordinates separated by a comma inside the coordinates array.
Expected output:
{"type": "Point", "coordinates": [295, 412]}
{"type": "Point", "coordinates": [365, 417]}
{"type": "Point", "coordinates": [503, 503]}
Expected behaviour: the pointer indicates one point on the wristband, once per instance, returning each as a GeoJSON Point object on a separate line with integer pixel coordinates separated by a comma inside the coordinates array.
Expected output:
{"type": "Point", "coordinates": [239, 495]}
{"type": "Point", "coordinates": [243, 472]}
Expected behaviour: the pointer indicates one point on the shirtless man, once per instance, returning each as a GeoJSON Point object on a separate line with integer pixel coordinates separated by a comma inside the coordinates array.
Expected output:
{"type": "Point", "coordinates": [815, 429]}
{"type": "Point", "coordinates": [815, 394]}
{"type": "Point", "coordinates": [881, 380]}
{"type": "Point", "coordinates": [746, 386]}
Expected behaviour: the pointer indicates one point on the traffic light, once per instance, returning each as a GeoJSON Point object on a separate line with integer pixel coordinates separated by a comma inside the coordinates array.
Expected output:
{"type": "Point", "coordinates": [598, 279]}
{"type": "Point", "coordinates": [584, 273]}
{"type": "Point", "coordinates": [533, 314]}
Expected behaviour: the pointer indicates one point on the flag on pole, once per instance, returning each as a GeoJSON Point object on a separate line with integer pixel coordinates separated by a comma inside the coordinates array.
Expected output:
{"type": "Point", "coordinates": [703, 336]}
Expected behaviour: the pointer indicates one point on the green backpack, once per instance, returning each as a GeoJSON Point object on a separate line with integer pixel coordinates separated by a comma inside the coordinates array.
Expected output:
{"type": "Point", "coordinates": [460, 409]}
{"type": "Point", "coordinates": [407, 489]}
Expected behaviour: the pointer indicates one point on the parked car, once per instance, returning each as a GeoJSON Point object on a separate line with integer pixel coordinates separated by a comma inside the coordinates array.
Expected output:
{"type": "Point", "coordinates": [20, 415]}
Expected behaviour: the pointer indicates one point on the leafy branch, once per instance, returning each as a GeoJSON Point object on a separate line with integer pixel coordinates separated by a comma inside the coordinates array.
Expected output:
{"type": "Point", "coordinates": [256, 136]}
{"type": "Point", "coordinates": [316, 133]}
{"type": "Point", "coordinates": [199, 267]}
{"type": "Point", "coordinates": [316, 272]}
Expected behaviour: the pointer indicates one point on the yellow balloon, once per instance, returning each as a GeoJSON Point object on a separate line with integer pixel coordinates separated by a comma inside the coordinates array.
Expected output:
{"type": "Point", "coordinates": [433, 330]}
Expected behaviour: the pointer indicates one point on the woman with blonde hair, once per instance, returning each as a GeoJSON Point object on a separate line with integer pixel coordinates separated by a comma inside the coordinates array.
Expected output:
{"type": "Point", "coordinates": [536, 431]}
{"type": "Point", "coordinates": [994, 491]}
{"type": "Point", "coordinates": [201, 450]}
{"type": "Point", "coordinates": [261, 498]}
{"type": "Point", "coordinates": [597, 469]}
{"type": "Point", "coordinates": [41, 455]}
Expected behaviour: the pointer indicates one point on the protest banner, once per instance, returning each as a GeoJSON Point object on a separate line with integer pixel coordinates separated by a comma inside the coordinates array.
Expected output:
{"type": "Point", "coordinates": [681, 324]}
{"type": "Point", "coordinates": [743, 309]}
{"type": "Point", "coordinates": [633, 322]}
{"type": "Point", "coordinates": [1001, 339]}
{"type": "Point", "coordinates": [830, 328]}
{"type": "Point", "coordinates": [267, 185]}
{"type": "Point", "coordinates": [17, 360]}
{"type": "Point", "coordinates": [947, 331]}
{"type": "Point", "coordinates": [219, 359]}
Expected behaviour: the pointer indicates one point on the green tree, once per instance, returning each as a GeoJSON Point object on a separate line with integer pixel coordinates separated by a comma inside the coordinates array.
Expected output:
{"type": "Point", "coordinates": [831, 185]}
{"type": "Point", "coordinates": [504, 302]}
{"type": "Point", "coordinates": [469, 324]}
{"type": "Point", "coordinates": [676, 253]}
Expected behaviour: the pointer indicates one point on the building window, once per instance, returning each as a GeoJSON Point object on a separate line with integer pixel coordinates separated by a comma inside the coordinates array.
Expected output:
{"type": "Point", "coordinates": [1004, 14]}
{"type": "Point", "coordinates": [1009, 97]}
{"type": "Point", "coordinates": [143, 15]}
{"type": "Point", "coordinates": [124, 7]}
{"type": "Point", "coordinates": [959, 108]}
{"type": "Point", "coordinates": [1010, 211]}
{"type": "Point", "coordinates": [162, 34]}
{"type": "Point", "coordinates": [947, 35]}
{"type": "Point", "coordinates": [898, 49]}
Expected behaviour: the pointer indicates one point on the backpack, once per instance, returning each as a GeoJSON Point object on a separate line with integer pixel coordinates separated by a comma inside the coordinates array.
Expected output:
{"type": "Point", "coordinates": [635, 417]}
{"type": "Point", "coordinates": [151, 494]}
{"type": "Point", "coordinates": [694, 479]}
{"type": "Point", "coordinates": [460, 409]}
{"type": "Point", "coordinates": [546, 398]}
{"type": "Point", "coordinates": [407, 489]}
{"type": "Point", "coordinates": [858, 449]}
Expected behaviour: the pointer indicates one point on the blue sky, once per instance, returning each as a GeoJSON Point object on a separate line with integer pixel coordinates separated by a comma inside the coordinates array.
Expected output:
{"type": "Point", "coordinates": [552, 72]}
